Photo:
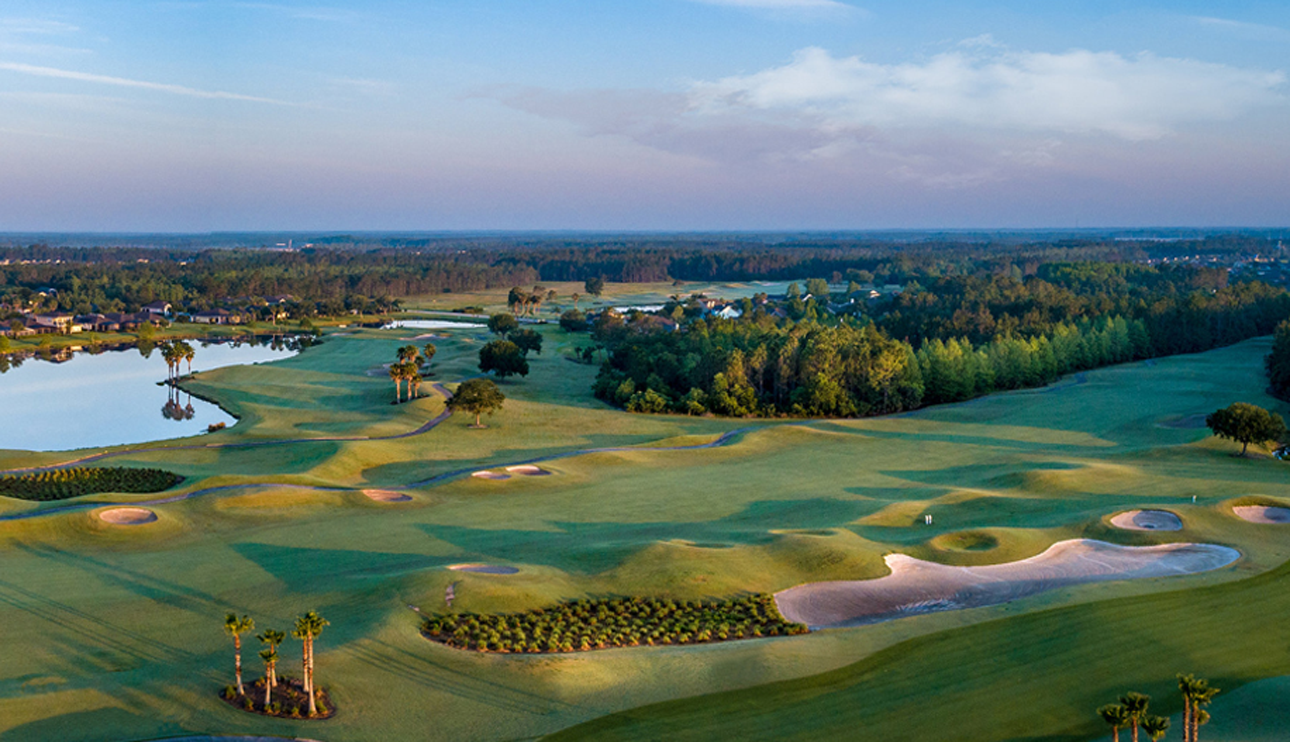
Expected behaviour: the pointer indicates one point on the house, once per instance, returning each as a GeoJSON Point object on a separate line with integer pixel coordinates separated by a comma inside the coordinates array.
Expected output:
{"type": "Point", "coordinates": [729, 311]}
{"type": "Point", "coordinates": [59, 322]}
{"type": "Point", "coordinates": [157, 307]}
{"type": "Point", "coordinates": [97, 323]}
{"type": "Point", "coordinates": [217, 317]}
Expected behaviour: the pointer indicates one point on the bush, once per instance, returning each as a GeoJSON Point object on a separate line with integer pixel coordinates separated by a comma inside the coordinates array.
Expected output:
{"type": "Point", "coordinates": [60, 484]}
{"type": "Point", "coordinates": [615, 622]}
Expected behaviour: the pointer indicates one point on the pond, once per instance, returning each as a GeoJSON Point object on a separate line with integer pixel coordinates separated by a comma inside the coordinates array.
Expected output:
{"type": "Point", "coordinates": [111, 398]}
{"type": "Point", "coordinates": [432, 324]}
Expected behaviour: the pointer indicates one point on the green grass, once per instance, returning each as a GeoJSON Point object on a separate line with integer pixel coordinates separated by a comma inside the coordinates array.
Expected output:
{"type": "Point", "coordinates": [120, 627]}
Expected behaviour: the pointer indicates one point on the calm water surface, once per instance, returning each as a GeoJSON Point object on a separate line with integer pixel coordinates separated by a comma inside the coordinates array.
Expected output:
{"type": "Point", "coordinates": [111, 398]}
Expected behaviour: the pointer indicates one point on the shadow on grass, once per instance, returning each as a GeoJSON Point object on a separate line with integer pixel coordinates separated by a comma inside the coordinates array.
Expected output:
{"type": "Point", "coordinates": [589, 548]}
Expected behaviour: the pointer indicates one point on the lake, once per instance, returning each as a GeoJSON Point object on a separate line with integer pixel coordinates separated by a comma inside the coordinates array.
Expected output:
{"type": "Point", "coordinates": [432, 324]}
{"type": "Point", "coordinates": [111, 398]}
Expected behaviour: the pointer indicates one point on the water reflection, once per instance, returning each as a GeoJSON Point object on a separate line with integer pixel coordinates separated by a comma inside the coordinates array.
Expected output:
{"type": "Point", "coordinates": [103, 395]}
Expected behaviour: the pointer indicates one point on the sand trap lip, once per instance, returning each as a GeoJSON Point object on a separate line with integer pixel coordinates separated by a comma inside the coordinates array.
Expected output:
{"type": "Point", "coordinates": [528, 470]}
{"type": "Point", "coordinates": [484, 569]}
{"type": "Point", "coordinates": [1147, 520]}
{"type": "Point", "coordinates": [490, 475]}
{"type": "Point", "coordinates": [1262, 514]}
{"type": "Point", "coordinates": [127, 516]}
{"type": "Point", "coordinates": [915, 586]}
{"type": "Point", "coordinates": [386, 496]}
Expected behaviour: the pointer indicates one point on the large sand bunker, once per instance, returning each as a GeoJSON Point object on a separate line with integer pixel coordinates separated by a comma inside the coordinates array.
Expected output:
{"type": "Point", "coordinates": [484, 569]}
{"type": "Point", "coordinates": [386, 496]}
{"type": "Point", "coordinates": [915, 586]}
{"type": "Point", "coordinates": [1147, 520]}
{"type": "Point", "coordinates": [490, 475]}
{"type": "Point", "coordinates": [1262, 514]}
{"type": "Point", "coordinates": [528, 470]}
{"type": "Point", "coordinates": [127, 516]}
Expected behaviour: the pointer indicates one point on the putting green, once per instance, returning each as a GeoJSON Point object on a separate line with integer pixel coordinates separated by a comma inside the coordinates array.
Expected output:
{"type": "Point", "coordinates": [121, 626]}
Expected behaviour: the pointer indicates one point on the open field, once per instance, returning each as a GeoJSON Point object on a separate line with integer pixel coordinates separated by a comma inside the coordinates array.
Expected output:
{"type": "Point", "coordinates": [123, 622]}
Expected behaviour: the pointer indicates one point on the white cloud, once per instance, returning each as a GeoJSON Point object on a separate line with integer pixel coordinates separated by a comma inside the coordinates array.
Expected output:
{"type": "Point", "coordinates": [1253, 30]}
{"type": "Point", "coordinates": [1079, 91]}
{"type": "Point", "coordinates": [33, 70]}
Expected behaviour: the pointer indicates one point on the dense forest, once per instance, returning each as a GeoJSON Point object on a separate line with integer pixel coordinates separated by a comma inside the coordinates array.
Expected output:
{"type": "Point", "coordinates": [340, 273]}
{"type": "Point", "coordinates": [955, 339]}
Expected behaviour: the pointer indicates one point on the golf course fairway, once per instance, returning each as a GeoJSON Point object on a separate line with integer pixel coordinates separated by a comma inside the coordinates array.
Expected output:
{"type": "Point", "coordinates": [325, 496]}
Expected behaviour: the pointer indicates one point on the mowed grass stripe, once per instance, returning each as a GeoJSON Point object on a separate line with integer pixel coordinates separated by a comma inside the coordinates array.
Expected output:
{"type": "Point", "coordinates": [1031, 677]}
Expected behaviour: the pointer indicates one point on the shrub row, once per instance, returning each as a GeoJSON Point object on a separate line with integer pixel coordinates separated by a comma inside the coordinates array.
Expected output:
{"type": "Point", "coordinates": [60, 484]}
{"type": "Point", "coordinates": [582, 625]}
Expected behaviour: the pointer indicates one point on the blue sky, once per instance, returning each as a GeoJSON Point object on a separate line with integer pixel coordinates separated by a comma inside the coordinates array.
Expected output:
{"type": "Point", "coordinates": [650, 114]}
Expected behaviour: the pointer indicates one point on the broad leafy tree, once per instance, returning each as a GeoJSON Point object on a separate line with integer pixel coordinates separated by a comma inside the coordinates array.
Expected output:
{"type": "Point", "coordinates": [503, 358]}
{"type": "Point", "coordinates": [1246, 424]}
{"type": "Point", "coordinates": [573, 321]}
{"type": "Point", "coordinates": [503, 324]}
{"type": "Point", "coordinates": [527, 340]}
{"type": "Point", "coordinates": [594, 286]}
{"type": "Point", "coordinates": [478, 397]}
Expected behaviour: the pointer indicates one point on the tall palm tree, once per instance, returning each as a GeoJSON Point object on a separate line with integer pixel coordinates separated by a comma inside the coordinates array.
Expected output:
{"type": "Point", "coordinates": [270, 657]}
{"type": "Point", "coordinates": [272, 638]}
{"type": "Point", "coordinates": [1155, 727]}
{"type": "Point", "coordinates": [1187, 685]}
{"type": "Point", "coordinates": [1136, 705]}
{"type": "Point", "coordinates": [308, 628]}
{"type": "Point", "coordinates": [408, 354]}
{"type": "Point", "coordinates": [396, 373]}
{"type": "Point", "coordinates": [1116, 717]}
{"type": "Point", "coordinates": [575, 296]}
{"type": "Point", "coordinates": [1203, 696]}
{"type": "Point", "coordinates": [189, 354]}
{"type": "Point", "coordinates": [428, 353]}
{"type": "Point", "coordinates": [236, 627]}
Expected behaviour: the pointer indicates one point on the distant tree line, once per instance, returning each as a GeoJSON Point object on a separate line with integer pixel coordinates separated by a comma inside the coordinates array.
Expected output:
{"type": "Point", "coordinates": [966, 337]}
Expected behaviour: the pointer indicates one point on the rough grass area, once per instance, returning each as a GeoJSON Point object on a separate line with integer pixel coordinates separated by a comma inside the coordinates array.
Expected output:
{"type": "Point", "coordinates": [61, 484]}
{"type": "Point", "coordinates": [582, 625]}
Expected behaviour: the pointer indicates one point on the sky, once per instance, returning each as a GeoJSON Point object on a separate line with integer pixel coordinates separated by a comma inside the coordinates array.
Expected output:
{"type": "Point", "coordinates": [193, 116]}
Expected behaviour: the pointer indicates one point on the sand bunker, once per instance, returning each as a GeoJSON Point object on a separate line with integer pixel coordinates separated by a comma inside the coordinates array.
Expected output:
{"type": "Point", "coordinates": [528, 470]}
{"type": "Point", "coordinates": [484, 569]}
{"type": "Point", "coordinates": [915, 586]}
{"type": "Point", "coordinates": [490, 475]}
{"type": "Point", "coordinates": [127, 516]}
{"type": "Point", "coordinates": [1262, 514]}
{"type": "Point", "coordinates": [1147, 520]}
{"type": "Point", "coordinates": [386, 496]}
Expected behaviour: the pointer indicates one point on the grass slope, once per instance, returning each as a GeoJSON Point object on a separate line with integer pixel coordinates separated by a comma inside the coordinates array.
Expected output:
{"type": "Point", "coordinates": [120, 626]}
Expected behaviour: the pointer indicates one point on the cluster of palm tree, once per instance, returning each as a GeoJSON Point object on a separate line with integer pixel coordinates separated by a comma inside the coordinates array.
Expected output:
{"type": "Point", "coordinates": [307, 629]}
{"type": "Point", "coordinates": [1132, 712]}
{"type": "Point", "coordinates": [408, 368]}
{"type": "Point", "coordinates": [174, 353]}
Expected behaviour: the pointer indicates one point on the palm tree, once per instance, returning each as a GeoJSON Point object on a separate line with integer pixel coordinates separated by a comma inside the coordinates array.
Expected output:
{"type": "Point", "coordinates": [1136, 706]}
{"type": "Point", "coordinates": [188, 353]}
{"type": "Point", "coordinates": [272, 638]}
{"type": "Point", "coordinates": [428, 353]}
{"type": "Point", "coordinates": [575, 296]}
{"type": "Point", "coordinates": [237, 627]}
{"type": "Point", "coordinates": [1116, 716]}
{"type": "Point", "coordinates": [414, 381]}
{"type": "Point", "coordinates": [408, 354]}
{"type": "Point", "coordinates": [1155, 727]}
{"type": "Point", "coordinates": [1187, 685]}
{"type": "Point", "coordinates": [1202, 697]}
{"type": "Point", "coordinates": [396, 373]}
{"type": "Point", "coordinates": [270, 657]}
{"type": "Point", "coordinates": [308, 628]}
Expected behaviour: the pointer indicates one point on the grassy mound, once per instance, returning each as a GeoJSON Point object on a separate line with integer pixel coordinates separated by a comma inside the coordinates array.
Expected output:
{"type": "Point", "coordinates": [581, 625]}
{"type": "Point", "coordinates": [60, 484]}
{"type": "Point", "coordinates": [966, 541]}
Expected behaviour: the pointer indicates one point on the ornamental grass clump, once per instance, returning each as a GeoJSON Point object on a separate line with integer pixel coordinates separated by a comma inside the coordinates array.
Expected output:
{"type": "Point", "coordinates": [61, 484]}
{"type": "Point", "coordinates": [583, 625]}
